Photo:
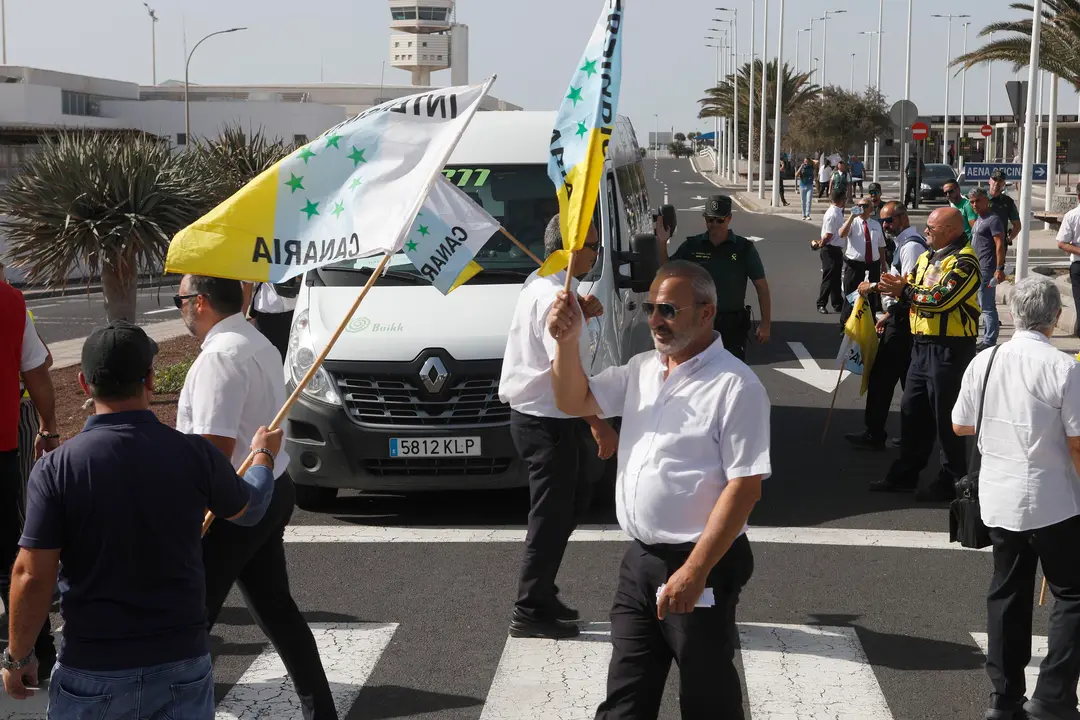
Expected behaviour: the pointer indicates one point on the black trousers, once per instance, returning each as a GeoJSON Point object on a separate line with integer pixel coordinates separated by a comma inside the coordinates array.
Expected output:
{"type": "Point", "coordinates": [1009, 606]}
{"type": "Point", "coordinates": [254, 558]}
{"type": "Point", "coordinates": [890, 366]}
{"type": "Point", "coordinates": [11, 525]}
{"type": "Point", "coordinates": [911, 194]}
{"type": "Point", "coordinates": [1074, 278]}
{"type": "Point", "coordinates": [832, 263]}
{"type": "Point", "coordinates": [932, 386]}
{"type": "Point", "coordinates": [823, 187]}
{"type": "Point", "coordinates": [560, 491]}
{"type": "Point", "coordinates": [701, 642]}
{"type": "Point", "coordinates": [734, 328]}
{"type": "Point", "coordinates": [276, 327]}
{"type": "Point", "coordinates": [855, 274]}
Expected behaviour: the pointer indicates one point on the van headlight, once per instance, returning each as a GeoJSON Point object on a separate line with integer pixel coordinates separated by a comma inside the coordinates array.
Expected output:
{"type": "Point", "coordinates": [301, 357]}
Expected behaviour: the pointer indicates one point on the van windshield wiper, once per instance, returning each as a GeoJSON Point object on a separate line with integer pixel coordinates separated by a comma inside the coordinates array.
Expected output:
{"type": "Point", "coordinates": [502, 272]}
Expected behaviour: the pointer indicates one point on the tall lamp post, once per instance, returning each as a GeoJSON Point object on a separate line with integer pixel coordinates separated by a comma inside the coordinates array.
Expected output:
{"type": "Point", "coordinates": [869, 64]}
{"type": "Point", "coordinates": [877, 85]}
{"type": "Point", "coordinates": [735, 85]}
{"type": "Point", "coordinates": [750, 100]}
{"type": "Point", "coordinates": [811, 65]}
{"type": "Point", "coordinates": [3, 34]}
{"type": "Point", "coordinates": [153, 42]}
{"type": "Point", "coordinates": [1029, 145]}
{"type": "Point", "coordinates": [776, 179]}
{"type": "Point", "coordinates": [824, 41]}
{"type": "Point", "coordinates": [989, 144]}
{"type": "Point", "coordinates": [728, 33]}
{"type": "Point", "coordinates": [187, 64]}
{"type": "Point", "coordinates": [716, 118]}
{"type": "Point", "coordinates": [948, 59]}
{"type": "Point", "coordinates": [764, 98]}
{"type": "Point", "coordinates": [963, 100]}
{"type": "Point", "coordinates": [904, 149]}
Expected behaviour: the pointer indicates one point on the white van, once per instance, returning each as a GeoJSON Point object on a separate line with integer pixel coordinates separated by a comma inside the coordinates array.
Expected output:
{"type": "Point", "coordinates": [421, 369]}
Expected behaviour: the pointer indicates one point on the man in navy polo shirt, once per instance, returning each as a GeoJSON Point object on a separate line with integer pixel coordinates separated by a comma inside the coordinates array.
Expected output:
{"type": "Point", "coordinates": [121, 506]}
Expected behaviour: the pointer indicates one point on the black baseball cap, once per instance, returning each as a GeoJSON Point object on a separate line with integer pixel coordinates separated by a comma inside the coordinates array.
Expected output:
{"type": "Point", "coordinates": [873, 187]}
{"type": "Point", "coordinates": [998, 175]}
{"type": "Point", "coordinates": [117, 355]}
{"type": "Point", "coordinates": [718, 206]}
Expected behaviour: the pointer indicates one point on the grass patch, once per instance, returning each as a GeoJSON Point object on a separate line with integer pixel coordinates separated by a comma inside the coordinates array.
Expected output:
{"type": "Point", "coordinates": [171, 379]}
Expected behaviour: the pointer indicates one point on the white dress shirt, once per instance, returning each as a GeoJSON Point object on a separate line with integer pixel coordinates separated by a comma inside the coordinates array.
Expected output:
{"type": "Point", "coordinates": [908, 251]}
{"type": "Point", "coordinates": [268, 302]}
{"type": "Point", "coordinates": [525, 383]}
{"type": "Point", "coordinates": [856, 241]}
{"type": "Point", "coordinates": [1069, 232]}
{"type": "Point", "coordinates": [682, 438]}
{"type": "Point", "coordinates": [234, 386]}
{"type": "Point", "coordinates": [1027, 479]}
{"type": "Point", "coordinates": [831, 223]}
{"type": "Point", "coordinates": [824, 173]}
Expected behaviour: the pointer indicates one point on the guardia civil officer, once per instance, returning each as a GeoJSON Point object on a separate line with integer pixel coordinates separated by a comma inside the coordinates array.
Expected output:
{"type": "Point", "coordinates": [731, 260]}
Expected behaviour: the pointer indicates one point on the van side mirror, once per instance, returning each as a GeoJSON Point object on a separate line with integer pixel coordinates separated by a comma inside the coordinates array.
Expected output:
{"type": "Point", "coordinates": [644, 260]}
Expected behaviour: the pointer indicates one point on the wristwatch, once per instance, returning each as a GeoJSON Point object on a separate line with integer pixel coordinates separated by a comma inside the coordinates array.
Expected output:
{"type": "Point", "coordinates": [8, 664]}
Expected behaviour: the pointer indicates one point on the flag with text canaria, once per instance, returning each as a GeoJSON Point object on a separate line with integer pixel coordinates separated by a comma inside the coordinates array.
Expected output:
{"type": "Point", "coordinates": [583, 128]}
{"type": "Point", "coordinates": [351, 193]}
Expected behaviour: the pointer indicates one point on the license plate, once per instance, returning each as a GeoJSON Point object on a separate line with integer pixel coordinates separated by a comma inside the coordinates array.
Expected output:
{"type": "Point", "coordinates": [435, 447]}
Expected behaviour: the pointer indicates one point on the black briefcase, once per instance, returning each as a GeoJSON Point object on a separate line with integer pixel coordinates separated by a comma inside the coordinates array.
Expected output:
{"type": "Point", "coordinates": [965, 516]}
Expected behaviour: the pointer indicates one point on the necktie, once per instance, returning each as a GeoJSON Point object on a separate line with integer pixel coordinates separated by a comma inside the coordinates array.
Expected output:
{"type": "Point", "coordinates": [869, 243]}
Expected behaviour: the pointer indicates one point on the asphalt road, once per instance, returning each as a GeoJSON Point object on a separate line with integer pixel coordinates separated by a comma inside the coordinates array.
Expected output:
{"type": "Point", "coordinates": [73, 316]}
{"type": "Point", "coordinates": [856, 609]}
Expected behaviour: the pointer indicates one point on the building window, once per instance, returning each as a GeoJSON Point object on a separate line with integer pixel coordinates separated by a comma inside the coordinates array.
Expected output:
{"type": "Point", "coordinates": [430, 13]}
{"type": "Point", "coordinates": [410, 43]}
{"type": "Point", "coordinates": [181, 139]}
{"type": "Point", "coordinates": [76, 103]}
{"type": "Point", "coordinates": [440, 57]}
{"type": "Point", "coordinates": [397, 44]}
{"type": "Point", "coordinates": [424, 44]}
{"type": "Point", "coordinates": [403, 13]}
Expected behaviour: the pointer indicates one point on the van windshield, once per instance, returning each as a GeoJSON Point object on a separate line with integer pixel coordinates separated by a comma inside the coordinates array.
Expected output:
{"type": "Point", "coordinates": [520, 197]}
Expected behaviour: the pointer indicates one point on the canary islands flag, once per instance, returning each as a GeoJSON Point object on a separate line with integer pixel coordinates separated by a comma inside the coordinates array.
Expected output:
{"type": "Point", "coordinates": [859, 348]}
{"type": "Point", "coordinates": [351, 193]}
{"type": "Point", "coordinates": [582, 131]}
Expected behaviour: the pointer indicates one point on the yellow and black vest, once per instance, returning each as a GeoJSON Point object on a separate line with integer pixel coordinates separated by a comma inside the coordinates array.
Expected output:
{"type": "Point", "coordinates": [943, 293]}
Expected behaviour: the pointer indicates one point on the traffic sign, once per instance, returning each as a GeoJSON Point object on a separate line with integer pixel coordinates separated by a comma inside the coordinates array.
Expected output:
{"type": "Point", "coordinates": [987, 130]}
{"type": "Point", "coordinates": [920, 131]}
{"type": "Point", "coordinates": [903, 113]}
{"type": "Point", "coordinates": [1013, 171]}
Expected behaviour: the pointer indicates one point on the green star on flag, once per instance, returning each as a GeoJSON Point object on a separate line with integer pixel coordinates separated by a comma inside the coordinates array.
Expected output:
{"type": "Point", "coordinates": [581, 129]}
{"type": "Point", "coordinates": [338, 209]}
{"type": "Point", "coordinates": [332, 141]}
{"type": "Point", "coordinates": [424, 231]}
{"type": "Point", "coordinates": [357, 156]}
{"type": "Point", "coordinates": [411, 245]}
{"type": "Point", "coordinates": [355, 183]}
{"type": "Point", "coordinates": [589, 68]}
{"type": "Point", "coordinates": [312, 208]}
{"type": "Point", "coordinates": [296, 183]}
{"type": "Point", "coordinates": [305, 154]}
{"type": "Point", "coordinates": [575, 95]}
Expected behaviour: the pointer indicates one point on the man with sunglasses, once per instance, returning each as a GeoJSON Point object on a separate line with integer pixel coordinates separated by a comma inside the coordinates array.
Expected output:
{"type": "Point", "coordinates": [958, 201]}
{"type": "Point", "coordinates": [864, 252]}
{"type": "Point", "coordinates": [554, 445]}
{"type": "Point", "coordinates": [693, 453]}
{"type": "Point", "coordinates": [731, 260]}
{"type": "Point", "coordinates": [943, 293]}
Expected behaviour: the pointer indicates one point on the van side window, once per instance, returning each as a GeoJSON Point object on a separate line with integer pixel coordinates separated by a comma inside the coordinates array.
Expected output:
{"type": "Point", "coordinates": [613, 214]}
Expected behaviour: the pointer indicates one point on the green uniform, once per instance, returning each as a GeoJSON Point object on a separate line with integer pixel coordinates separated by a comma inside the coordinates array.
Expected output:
{"type": "Point", "coordinates": [731, 264]}
{"type": "Point", "coordinates": [970, 216]}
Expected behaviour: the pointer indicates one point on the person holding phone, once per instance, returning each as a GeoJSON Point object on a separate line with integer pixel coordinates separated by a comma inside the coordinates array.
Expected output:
{"type": "Point", "coordinates": [864, 252]}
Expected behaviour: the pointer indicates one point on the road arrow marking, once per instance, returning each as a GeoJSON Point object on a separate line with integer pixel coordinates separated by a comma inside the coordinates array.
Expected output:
{"type": "Point", "coordinates": [754, 238]}
{"type": "Point", "coordinates": [824, 379]}
{"type": "Point", "coordinates": [696, 208]}
{"type": "Point", "coordinates": [699, 197]}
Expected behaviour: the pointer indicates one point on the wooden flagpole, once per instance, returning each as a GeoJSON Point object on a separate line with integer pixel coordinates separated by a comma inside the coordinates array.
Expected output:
{"type": "Point", "coordinates": [828, 418]}
{"type": "Point", "coordinates": [521, 246]}
{"type": "Point", "coordinates": [284, 411]}
{"type": "Point", "coordinates": [1042, 593]}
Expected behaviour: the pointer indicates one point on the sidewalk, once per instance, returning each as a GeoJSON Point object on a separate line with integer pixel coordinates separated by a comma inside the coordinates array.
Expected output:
{"type": "Point", "coordinates": [1063, 338]}
{"type": "Point", "coordinates": [67, 353]}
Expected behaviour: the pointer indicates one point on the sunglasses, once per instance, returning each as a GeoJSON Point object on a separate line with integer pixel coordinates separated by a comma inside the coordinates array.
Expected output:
{"type": "Point", "coordinates": [178, 300]}
{"type": "Point", "coordinates": [875, 192]}
{"type": "Point", "coordinates": [667, 310]}
{"type": "Point", "coordinates": [715, 220]}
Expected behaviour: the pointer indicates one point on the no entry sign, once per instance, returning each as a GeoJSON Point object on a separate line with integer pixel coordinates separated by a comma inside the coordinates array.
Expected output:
{"type": "Point", "coordinates": [919, 131]}
{"type": "Point", "coordinates": [986, 131]}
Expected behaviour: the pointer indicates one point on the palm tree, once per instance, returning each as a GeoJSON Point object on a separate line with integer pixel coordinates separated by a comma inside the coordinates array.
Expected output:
{"type": "Point", "coordinates": [102, 203]}
{"type": "Point", "coordinates": [1059, 41]}
{"type": "Point", "coordinates": [234, 159]}
{"type": "Point", "coordinates": [797, 91]}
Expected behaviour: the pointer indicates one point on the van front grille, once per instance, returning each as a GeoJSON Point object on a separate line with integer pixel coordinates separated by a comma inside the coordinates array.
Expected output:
{"type": "Point", "coordinates": [399, 401]}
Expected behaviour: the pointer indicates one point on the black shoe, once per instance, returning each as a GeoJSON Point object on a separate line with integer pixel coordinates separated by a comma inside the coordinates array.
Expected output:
{"type": "Point", "coordinates": [564, 612]}
{"type": "Point", "coordinates": [865, 441]}
{"type": "Point", "coordinates": [938, 492]}
{"type": "Point", "coordinates": [890, 487]}
{"type": "Point", "coordinates": [551, 629]}
{"type": "Point", "coordinates": [893, 443]}
{"type": "Point", "coordinates": [823, 311]}
{"type": "Point", "coordinates": [1038, 711]}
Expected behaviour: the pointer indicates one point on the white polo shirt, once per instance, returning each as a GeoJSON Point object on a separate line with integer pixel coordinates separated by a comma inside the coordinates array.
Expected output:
{"type": "Point", "coordinates": [268, 301]}
{"type": "Point", "coordinates": [856, 241]}
{"type": "Point", "coordinates": [525, 383]}
{"type": "Point", "coordinates": [1027, 479]}
{"type": "Point", "coordinates": [831, 223]}
{"type": "Point", "coordinates": [234, 387]}
{"type": "Point", "coordinates": [682, 438]}
{"type": "Point", "coordinates": [1069, 232]}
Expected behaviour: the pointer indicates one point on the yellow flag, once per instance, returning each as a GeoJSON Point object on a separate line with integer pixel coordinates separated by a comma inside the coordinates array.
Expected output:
{"type": "Point", "coordinates": [861, 341]}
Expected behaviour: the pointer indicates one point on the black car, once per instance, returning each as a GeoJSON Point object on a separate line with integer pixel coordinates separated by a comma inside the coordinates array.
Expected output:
{"type": "Point", "coordinates": [933, 181]}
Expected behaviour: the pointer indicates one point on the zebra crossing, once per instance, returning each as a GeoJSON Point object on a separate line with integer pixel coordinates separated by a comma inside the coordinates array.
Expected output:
{"type": "Point", "coordinates": [809, 672]}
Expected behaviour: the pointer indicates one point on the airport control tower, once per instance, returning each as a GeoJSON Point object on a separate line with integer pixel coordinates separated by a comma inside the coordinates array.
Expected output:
{"type": "Point", "coordinates": [427, 38]}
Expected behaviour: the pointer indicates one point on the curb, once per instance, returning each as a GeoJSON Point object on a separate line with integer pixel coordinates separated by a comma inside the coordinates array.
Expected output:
{"type": "Point", "coordinates": [65, 291]}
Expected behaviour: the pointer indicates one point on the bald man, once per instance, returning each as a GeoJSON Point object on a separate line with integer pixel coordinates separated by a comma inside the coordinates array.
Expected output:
{"type": "Point", "coordinates": [942, 292]}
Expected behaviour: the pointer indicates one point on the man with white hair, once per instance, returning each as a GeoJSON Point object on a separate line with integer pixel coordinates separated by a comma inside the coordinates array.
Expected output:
{"type": "Point", "coordinates": [693, 452]}
{"type": "Point", "coordinates": [1022, 399]}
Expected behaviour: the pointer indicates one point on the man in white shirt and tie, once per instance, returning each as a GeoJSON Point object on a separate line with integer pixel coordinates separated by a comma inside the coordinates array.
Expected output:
{"type": "Point", "coordinates": [554, 445]}
{"type": "Point", "coordinates": [831, 247]}
{"type": "Point", "coordinates": [1068, 240]}
{"type": "Point", "coordinates": [864, 252]}
{"type": "Point", "coordinates": [693, 452]}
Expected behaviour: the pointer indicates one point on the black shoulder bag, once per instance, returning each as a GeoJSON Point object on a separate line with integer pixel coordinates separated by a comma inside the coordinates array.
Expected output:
{"type": "Point", "coordinates": [965, 517]}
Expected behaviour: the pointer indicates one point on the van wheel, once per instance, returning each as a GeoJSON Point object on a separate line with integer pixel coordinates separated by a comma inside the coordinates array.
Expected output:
{"type": "Point", "coordinates": [313, 497]}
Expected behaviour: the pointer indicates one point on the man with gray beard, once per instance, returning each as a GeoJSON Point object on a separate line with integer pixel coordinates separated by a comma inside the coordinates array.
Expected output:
{"type": "Point", "coordinates": [693, 452]}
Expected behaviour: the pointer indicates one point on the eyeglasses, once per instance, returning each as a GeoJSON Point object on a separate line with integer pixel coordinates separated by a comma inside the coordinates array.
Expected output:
{"type": "Point", "coordinates": [667, 310]}
{"type": "Point", "coordinates": [950, 191]}
{"type": "Point", "coordinates": [875, 192]}
{"type": "Point", "coordinates": [887, 221]}
{"type": "Point", "coordinates": [178, 300]}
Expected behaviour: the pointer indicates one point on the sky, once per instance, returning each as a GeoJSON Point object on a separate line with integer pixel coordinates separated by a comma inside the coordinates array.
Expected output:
{"type": "Point", "coordinates": [533, 46]}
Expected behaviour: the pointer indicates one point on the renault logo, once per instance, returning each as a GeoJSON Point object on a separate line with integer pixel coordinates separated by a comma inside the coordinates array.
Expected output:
{"type": "Point", "coordinates": [433, 374]}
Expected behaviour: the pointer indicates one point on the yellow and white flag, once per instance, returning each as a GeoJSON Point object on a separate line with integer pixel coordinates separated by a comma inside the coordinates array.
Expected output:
{"type": "Point", "coordinates": [859, 348]}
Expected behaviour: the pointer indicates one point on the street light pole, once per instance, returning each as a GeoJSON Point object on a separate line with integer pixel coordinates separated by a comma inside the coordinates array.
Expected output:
{"type": "Point", "coordinates": [3, 34]}
{"type": "Point", "coordinates": [1051, 149]}
{"type": "Point", "coordinates": [988, 155]}
{"type": "Point", "coordinates": [810, 66]}
{"type": "Point", "coordinates": [764, 99]}
{"type": "Point", "coordinates": [656, 138]}
{"type": "Point", "coordinates": [750, 100]}
{"type": "Point", "coordinates": [187, 65]}
{"type": "Point", "coordinates": [963, 101]}
{"type": "Point", "coordinates": [904, 149]}
{"type": "Point", "coordinates": [1029, 145]}
{"type": "Point", "coordinates": [869, 65]}
{"type": "Point", "coordinates": [824, 41]}
{"type": "Point", "coordinates": [776, 180]}
{"type": "Point", "coordinates": [948, 59]}
{"type": "Point", "coordinates": [851, 83]}
{"type": "Point", "coordinates": [734, 165]}
{"type": "Point", "coordinates": [877, 85]}
{"type": "Point", "coordinates": [153, 41]}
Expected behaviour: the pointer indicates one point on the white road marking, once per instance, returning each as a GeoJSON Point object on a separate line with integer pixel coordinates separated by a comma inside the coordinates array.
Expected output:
{"type": "Point", "coordinates": [349, 652]}
{"type": "Point", "coordinates": [699, 197]}
{"type": "Point", "coordinates": [810, 673]}
{"type": "Point", "coordinates": [754, 238]}
{"type": "Point", "coordinates": [841, 537]}
{"type": "Point", "coordinates": [692, 182]}
{"type": "Point", "coordinates": [1039, 646]}
{"type": "Point", "coordinates": [161, 310]}
{"type": "Point", "coordinates": [697, 208]}
{"type": "Point", "coordinates": [41, 307]}
{"type": "Point", "coordinates": [811, 373]}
